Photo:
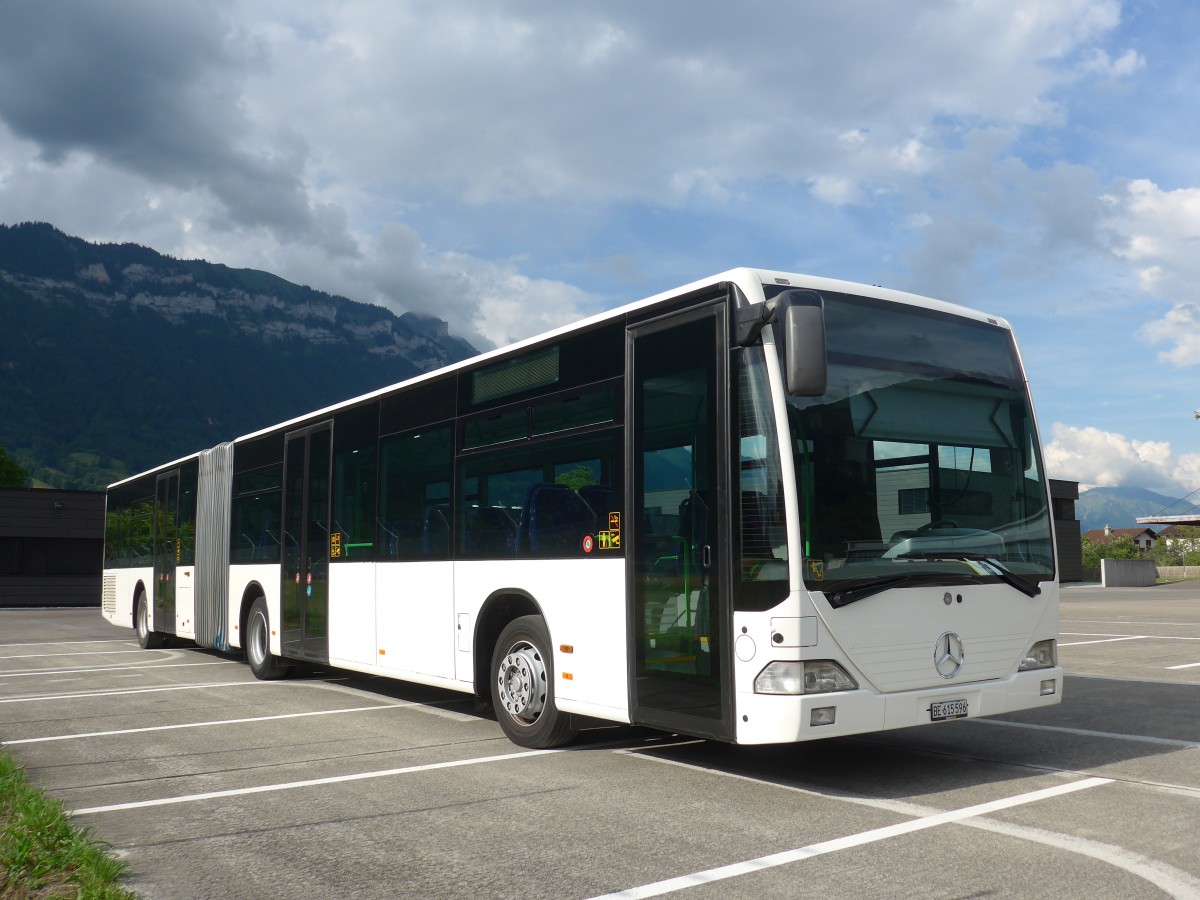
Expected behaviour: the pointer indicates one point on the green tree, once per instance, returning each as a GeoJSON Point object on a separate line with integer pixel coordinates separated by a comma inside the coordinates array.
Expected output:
{"type": "Point", "coordinates": [1117, 547]}
{"type": "Point", "coordinates": [1182, 548]}
{"type": "Point", "coordinates": [11, 474]}
{"type": "Point", "coordinates": [580, 476]}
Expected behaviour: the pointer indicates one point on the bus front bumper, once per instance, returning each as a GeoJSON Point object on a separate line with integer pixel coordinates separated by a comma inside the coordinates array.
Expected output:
{"type": "Point", "coordinates": [779, 719]}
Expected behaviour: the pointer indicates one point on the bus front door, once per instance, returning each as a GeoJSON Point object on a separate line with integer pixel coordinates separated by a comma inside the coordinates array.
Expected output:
{"type": "Point", "coordinates": [305, 573]}
{"type": "Point", "coordinates": [166, 550]}
{"type": "Point", "coordinates": [679, 615]}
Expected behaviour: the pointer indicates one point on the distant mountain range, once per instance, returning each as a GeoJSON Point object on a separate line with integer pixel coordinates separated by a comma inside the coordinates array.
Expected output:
{"type": "Point", "coordinates": [114, 358]}
{"type": "Point", "coordinates": [1121, 506]}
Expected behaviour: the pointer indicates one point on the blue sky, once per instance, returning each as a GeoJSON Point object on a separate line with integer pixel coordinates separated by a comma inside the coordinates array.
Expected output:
{"type": "Point", "coordinates": [511, 167]}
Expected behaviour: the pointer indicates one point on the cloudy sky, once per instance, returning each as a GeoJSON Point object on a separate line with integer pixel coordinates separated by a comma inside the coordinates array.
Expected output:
{"type": "Point", "coordinates": [510, 167]}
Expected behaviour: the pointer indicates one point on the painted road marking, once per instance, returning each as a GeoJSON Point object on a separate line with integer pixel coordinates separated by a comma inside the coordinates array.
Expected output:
{"type": "Point", "coordinates": [155, 690]}
{"type": "Point", "coordinates": [721, 873]}
{"type": "Point", "coordinates": [67, 643]}
{"type": "Point", "coordinates": [1081, 732]}
{"type": "Point", "coordinates": [1175, 882]}
{"type": "Point", "coordinates": [1107, 640]}
{"type": "Point", "coordinates": [1186, 666]}
{"type": "Point", "coordinates": [44, 672]}
{"type": "Point", "coordinates": [312, 782]}
{"type": "Point", "coordinates": [59, 655]}
{"type": "Point", "coordinates": [299, 715]}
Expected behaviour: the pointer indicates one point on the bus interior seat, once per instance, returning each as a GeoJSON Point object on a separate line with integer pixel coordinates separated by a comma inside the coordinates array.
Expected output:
{"type": "Point", "coordinates": [554, 520]}
{"type": "Point", "coordinates": [601, 500]}
{"type": "Point", "coordinates": [491, 532]}
{"type": "Point", "coordinates": [435, 531]}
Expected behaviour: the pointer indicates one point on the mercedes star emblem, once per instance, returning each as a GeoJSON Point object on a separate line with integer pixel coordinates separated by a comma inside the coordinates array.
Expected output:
{"type": "Point", "coordinates": [948, 654]}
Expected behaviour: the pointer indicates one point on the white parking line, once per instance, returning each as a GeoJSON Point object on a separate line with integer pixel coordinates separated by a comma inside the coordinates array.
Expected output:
{"type": "Point", "coordinates": [299, 715]}
{"type": "Point", "coordinates": [44, 672]}
{"type": "Point", "coordinates": [721, 873]}
{"type": "Point", "coordinates": [1128, 623]}
{"type": "Point", "coordinates": [57, 655]}
{"type": "Point", "coordinates": [1186, 666]}
{"type": "Point", "coordinates": [153, 690]}
{"type": "Point", "coordinates": [1174, 882]}
{"type": "Point", "coordinates": [1107, 640]}
{"type": "Point", "coordinates": [312, 782]}
{"type": "Point", "coordinates": [1081, 732]}
{"type": "Point", "coordinates": [66, 643]}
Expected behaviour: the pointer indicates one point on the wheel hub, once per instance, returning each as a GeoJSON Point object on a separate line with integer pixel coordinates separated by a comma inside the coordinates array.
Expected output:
{"type": "Point", "coordinates": [522, 683]}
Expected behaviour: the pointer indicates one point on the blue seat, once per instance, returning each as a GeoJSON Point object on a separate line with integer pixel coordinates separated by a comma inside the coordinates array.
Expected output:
{"type": "Point", "coordinates": [435, 532]}
{"type": "Point", "coordinates": [490, 532]}
{"type": "Point", "coordinates": [554, 521]}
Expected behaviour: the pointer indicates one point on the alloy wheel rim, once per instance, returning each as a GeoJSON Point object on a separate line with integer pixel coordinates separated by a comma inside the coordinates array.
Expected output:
{"type": "Point", "coordinates": [521, 682]}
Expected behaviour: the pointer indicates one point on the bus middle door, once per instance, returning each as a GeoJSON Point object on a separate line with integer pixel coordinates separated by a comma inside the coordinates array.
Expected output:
{"type": "Point", "coordinates": [304, 590]}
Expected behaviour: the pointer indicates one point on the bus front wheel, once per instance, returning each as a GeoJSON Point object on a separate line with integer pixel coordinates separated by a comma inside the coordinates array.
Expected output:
{"type": "Point", "coordinates": [263, 664]}
{"type": "Point", "coordinates": [147, 638]}
{"type": "Point", "coordinates": [523, 686]}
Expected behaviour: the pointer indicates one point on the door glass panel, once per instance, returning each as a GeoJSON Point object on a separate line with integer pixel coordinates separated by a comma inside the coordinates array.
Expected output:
{"type": "Point", "coordinates": [167, 551]}
{"type": "Point", "coordinates": [678, 610]}
{"type": "Point", "coordinates": [316, 541]}
{"type": "Point", "coordinates": [305, 587]}
{"type": "Point", "coordinates": [293, 534]}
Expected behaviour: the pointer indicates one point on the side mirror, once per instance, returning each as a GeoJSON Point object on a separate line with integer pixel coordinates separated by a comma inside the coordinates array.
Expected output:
{"type": "Point", "coordinates": [800, 318]}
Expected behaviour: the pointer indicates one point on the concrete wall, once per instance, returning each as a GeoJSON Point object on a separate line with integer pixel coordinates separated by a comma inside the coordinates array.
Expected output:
{"type": "Point", "coordinates": [1128, 572]}
{"type": "Point", "coordinates": [1179, 571]}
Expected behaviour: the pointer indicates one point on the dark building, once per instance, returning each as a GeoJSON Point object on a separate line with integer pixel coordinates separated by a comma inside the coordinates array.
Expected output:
{"type": "Point", "coordinates": [51, 547]}
{"type": "Point", "coordinates": [1063, 495]}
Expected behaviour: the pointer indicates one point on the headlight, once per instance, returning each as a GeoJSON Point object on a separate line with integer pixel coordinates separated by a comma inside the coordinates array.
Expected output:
{"type": "Point", "coordinates": [821, 676]}
{"type": "Point", "coordinates": [1042, 655]}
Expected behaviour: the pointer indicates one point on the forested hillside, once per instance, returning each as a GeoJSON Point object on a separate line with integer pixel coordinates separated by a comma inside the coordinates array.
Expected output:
{"type": "Point", "coordinates": [114, 358]}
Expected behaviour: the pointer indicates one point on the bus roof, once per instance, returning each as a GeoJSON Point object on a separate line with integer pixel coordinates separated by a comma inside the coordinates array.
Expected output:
{"type": "Point", "coordinates": [750, 281]}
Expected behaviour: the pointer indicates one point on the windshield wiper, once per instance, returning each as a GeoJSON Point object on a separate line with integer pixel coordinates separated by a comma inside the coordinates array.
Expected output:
{"type": "Point", "coordinates": [989, 564]}
{"type": "Point", "coordinates": [846, 596]}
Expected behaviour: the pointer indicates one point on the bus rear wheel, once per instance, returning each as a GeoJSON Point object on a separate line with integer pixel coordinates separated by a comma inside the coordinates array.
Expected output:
{"type": "Point", "coordinates": [147, 638]}
{"type": "Point", "coordinates": [263, 664]}
{"type": "Point", "coordinates": [523, 686]}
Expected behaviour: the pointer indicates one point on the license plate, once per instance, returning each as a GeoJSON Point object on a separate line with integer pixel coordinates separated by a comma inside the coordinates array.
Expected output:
{"type": "Point", "coordinates": [941, 710]}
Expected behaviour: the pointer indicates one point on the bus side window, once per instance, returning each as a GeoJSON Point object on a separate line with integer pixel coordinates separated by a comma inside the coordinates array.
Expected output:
{"type": "Point", "coordinates": [414, 494]}
{"type": "Point", "coordinates": [552, 499]}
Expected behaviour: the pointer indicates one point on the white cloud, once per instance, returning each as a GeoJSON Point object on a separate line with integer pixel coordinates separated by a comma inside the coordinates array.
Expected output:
{"type": "Point", "coordinates": [1180, 326]}
{"type": "Point", "coordinates": [835, 191]}
{"type": "Point", "coordinates": [1158, 232]}
{"type": "Point", "coordinates": [304, 139]}
{"type": "Point", "coordinates": [1100, 63]}
{"type": "Point", "coordinates": [1102, 458]}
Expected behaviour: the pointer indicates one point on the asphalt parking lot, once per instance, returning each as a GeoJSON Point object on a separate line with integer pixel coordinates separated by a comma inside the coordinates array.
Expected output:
{"type": "Point", "coordinates": [211, 784]}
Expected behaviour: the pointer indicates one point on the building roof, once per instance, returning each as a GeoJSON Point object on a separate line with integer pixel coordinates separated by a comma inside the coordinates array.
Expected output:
{"type": "Point", "coordinates": [1173, 530]}
{"type": "Point", "coordinates": [1106, 534]}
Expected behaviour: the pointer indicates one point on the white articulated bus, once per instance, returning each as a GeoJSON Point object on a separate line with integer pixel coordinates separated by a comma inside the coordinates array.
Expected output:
{"type": "Point", "coordinates": [760, 508]}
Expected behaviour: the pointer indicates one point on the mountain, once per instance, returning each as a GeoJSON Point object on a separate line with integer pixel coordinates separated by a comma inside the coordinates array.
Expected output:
{"type": "Point", "coordinates": [115, 358]}
{"type": "Point", "coordinates": [1120, 507]}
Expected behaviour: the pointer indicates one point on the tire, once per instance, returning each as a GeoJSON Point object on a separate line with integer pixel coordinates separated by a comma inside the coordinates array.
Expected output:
{"type": "Point", "coordinates": [523, 686]}
{"type": "Point", "coordinates": [258, 644]}
{"type": "Point", "coordinates": [147, 639]}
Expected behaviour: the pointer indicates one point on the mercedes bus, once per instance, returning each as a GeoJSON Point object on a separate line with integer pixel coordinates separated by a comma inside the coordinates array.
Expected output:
{"type": "Point", "coordinates": [760, 508]}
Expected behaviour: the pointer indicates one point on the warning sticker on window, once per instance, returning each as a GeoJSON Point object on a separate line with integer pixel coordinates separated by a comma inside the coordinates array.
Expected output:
{"type": "Point", "coordinates": [611, 539]}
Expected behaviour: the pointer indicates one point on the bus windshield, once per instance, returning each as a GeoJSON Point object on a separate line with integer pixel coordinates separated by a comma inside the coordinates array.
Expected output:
{"type": "Point", "coordinates": [920, 464]}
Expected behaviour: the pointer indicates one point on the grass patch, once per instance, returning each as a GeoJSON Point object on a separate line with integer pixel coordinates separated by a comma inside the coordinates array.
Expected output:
{"type": "Point", "coordinates": [42, 855]}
